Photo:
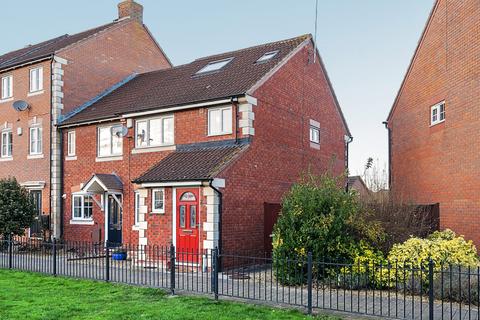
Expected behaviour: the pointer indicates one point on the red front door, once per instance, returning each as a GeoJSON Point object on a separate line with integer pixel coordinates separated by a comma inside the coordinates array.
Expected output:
{"type": "Point", "coordinates": [187, 225]}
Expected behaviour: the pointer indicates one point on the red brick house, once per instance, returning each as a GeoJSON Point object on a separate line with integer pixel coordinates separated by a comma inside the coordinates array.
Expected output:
{"type": "Point", "coordinates": [433, 124]}
{"type": "Point", "coordinates": [42, 82]}
{"type": "Point", "coordinates": [191, 155]}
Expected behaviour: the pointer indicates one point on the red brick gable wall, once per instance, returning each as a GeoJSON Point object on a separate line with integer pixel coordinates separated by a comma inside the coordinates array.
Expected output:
{"type": "Point", "coordinates": [97, 64]}
{"type": "Point", "coordinates": [439, 164]}
{"type": "Point", "coordinates": [281, 150]}
{"type": "Point", "coordinates": [22, 168]}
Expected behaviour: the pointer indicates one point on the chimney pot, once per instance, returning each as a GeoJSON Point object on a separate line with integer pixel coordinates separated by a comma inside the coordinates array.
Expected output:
{"type": "Point", "coordinates": [131, 9]}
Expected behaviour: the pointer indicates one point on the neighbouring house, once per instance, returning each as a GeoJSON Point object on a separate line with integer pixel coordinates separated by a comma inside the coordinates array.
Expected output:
{"type": "Point", "coordinates": [40, 83]}
{"type": "Point", "coordinates": [356, 183]}
{"type": "Point", "coordinates": [434, 122]}
{"type": "Point", "coordinates": [193, 155]}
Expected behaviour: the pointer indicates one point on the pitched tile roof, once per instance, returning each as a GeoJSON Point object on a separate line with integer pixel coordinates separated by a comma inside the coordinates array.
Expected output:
{"type": "Point", "coordinates": [46, 48]}
{"type": "Point", "coordinates": [181, 85]}
{"type": "Point", "coordinates": [193, 163]}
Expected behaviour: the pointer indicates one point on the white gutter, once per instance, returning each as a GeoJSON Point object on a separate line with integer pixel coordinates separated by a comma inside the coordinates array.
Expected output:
{"type": "Point", "coordinates": [171, 184]}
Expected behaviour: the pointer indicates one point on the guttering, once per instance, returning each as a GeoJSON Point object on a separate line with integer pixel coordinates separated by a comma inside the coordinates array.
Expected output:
{"type": "Point", "coordinates": [220, 210]}
{"type": "Point", "coordinates": [348, 140]}
{"type": "Point", "coordinates": [170, 184]}
{"type": "Point", "coordinates": [389, 153]}
{"type": "Point", "coordinates": [44, 58]}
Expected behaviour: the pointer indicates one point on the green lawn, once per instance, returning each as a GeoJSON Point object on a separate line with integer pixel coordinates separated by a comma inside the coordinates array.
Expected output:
{"type": "Point", "coordinates": [33, 296]}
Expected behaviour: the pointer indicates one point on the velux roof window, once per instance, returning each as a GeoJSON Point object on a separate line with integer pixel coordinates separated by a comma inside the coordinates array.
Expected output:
{"type": "Point", "coordinates": [214, 66]}
{"type": "Point", "coordinates": [267, 56]}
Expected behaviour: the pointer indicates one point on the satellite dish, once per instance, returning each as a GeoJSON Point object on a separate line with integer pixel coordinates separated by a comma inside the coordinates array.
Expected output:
{"type": "Point", "coordinates": [21, 105]}
{"type": "Point", "coordinates": [120, 131]}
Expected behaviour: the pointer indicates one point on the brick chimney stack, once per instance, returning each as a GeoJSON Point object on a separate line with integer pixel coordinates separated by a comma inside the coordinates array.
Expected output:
{"type": "Point", "coordinates": [132, 9]}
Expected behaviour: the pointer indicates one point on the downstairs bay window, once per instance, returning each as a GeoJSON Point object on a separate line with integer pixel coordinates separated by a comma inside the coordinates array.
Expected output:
{"type": "Point", "coordinates": [82, 207]}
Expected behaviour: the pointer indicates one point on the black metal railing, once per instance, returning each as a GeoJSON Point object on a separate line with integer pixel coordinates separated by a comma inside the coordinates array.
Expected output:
{"type": "Point", "coordinates": [394, 290]}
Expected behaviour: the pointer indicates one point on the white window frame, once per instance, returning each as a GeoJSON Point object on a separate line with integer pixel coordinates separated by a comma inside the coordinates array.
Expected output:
{"type": "Point", "coordinates": [36, 79]}
{"type": "Point", "coordinates": [82, 197]}
{"type": "Point", "coordinates": [214, 66]}
{"type": "Point", "coordinates": [7, 87]}
{"type": "Point", "coordinates": [137, 207]}
{"type": "Point", "coordinates": [223, 130]}
{"type": "Point", "coordinates": [111, 152]}
{"type": "Point", "coordinates": [149, 144]}
{"type": "Point", "coordinates": [267, 56]}
{"type": "Point", "coordinates": [6, 135]}
{"type": "Point", "coordinates": [435, 112]}
{"type": "Point", "coordinates": [35, 147]}
{"type": "Point", "coordinates": [71, 143]}
{"type": "Point", "coordinates": [154, 210]}
{"type": "Point", "coordinates": [314, 138]}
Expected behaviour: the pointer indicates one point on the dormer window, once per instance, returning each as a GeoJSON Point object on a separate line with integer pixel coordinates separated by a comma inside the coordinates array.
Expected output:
{"type": "Point", "coordinates": [267, 56]}
{"type": "Point", "coordinates": [214, 66]}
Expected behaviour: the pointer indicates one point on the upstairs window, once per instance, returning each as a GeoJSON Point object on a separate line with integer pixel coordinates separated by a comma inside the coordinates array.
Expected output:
{"type": "Point", "coordinates": [109, 143]}
{"type": "Point", "coordinates": [437, 113]}
{"type": "Point", "coordinates": [36, 79]}
{"type": "Point", "coordinates": [214, 66]}
{"type": "Point", "coordinates": [6, 142]}
{"type": "Point", "coordinates": [154, 132]}
{"type": "Point", "coordinates": [267, 56]}
{"type": "Point", "coordinates": [82, 207]}
{"type": "Point", "coordinates": [219, 121]}
{"type": "Point", "coordinates": [71, 144]}
{"type": "Point", "coordinates": [7, 87]}
{"type": "Point", "coordinates": [36, 140]}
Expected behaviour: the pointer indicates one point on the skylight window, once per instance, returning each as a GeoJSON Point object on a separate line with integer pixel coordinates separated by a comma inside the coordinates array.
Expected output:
{"type": "Point", "coordinates": [267, 56]}
{"type": "Point", "coordinates": [214, 66]}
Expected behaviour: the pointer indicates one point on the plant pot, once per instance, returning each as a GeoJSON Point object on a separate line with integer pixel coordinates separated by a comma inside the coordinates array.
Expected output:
{"type": "Point", "coordinates": [119, 256]}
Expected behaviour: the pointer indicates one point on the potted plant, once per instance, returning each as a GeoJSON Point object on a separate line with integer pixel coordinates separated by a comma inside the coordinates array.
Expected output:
{"type": "Point", "coordinates": [119, 254]}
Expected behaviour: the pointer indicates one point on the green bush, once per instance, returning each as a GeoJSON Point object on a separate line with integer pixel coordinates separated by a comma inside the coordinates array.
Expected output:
{"type": "Point", "coordinates": [320, 217]}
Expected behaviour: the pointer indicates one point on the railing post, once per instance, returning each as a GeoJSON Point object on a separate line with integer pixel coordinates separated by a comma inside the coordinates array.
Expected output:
{"type": "Point", "coordinates": [54, 256]}
{"type": "Point", "coordinates": [431, 296]}
{"type": "Point", "coordinates": [107, 262]}
{"type": "Point", "coordinates": [10, 251]}
{"type": "Point", "coordinates": [309, 282]}
{"type": "Point", "coordinates": [215, 267]}
{"type": "Point", "coordinates": [172, 269]}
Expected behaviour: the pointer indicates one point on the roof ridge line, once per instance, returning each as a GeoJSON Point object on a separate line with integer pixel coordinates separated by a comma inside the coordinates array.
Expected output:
{"type": "Point", "coordinates": [96, 98]}
{"type": "Point", "coordinates": [305, 36]}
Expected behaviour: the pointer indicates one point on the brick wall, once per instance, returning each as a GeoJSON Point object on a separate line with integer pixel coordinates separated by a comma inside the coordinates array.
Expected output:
{"type": "Point", "coordinates": [21, 167]}
{"type": "Point", "coordinates": [281, 150]}
{"type": "Point", "coordinates": [439, 164]}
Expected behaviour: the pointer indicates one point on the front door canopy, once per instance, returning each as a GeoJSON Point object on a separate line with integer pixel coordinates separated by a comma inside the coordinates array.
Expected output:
{"type": "Point", "coordinates": [101, 183]}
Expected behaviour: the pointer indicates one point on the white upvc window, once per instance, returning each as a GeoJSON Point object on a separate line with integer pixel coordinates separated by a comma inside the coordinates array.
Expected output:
{"type": "Point", "coordinates": [82, 207]}
{"type": "Point", "coordinates": [36, 79]}
{"type": "Point", "coordinates": [109, 144]}
{"type": "Point", "coordinates": [154, 132]}
{"type": "Point", "coordinates": [158, 201]}
{"type": "Point", "coordinates": [437, 113]}
{"type": "Point", "coordinates": [219, 121]}
{"type": "Point", "coordinates": [314, 134]}
{"type": "Point", "coordinates": [71, 143]}
{"type": "Point", "coordinates": [6, 144]}
{"type": "Point", "coordinates": [7, 87]}
{"type": "Point", "coordinates": [36, 140]}
{"type": "Point", "coordinates": [137, 207]}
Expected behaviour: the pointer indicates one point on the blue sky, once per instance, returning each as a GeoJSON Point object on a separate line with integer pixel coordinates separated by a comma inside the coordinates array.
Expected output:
{"type": "Point", "coordinates": [366, 45]}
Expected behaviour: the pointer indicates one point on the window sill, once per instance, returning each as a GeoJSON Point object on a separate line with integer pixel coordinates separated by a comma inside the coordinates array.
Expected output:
{"type": "Point", "coordinates": [157, 213]}
{"type": "Point", "coordinates": [35, 93]}
{"type": "Point", "coordinates": [219, 134]}
{"type": "Point", "coordinates": [70, 158]}
{"type": "Point", "coordinates": [315, 145]}
{"type": "Point", "coordinates": [6, 100]}
{"type": "Point", "coordinates": [439, 122]}
{"type": "Point", "coordinates": [106, 159]}
{"type": "Point", "coordinates": [153, 149]}
{"type": "Point", "coordinates": [82, 222]}
{"type": "Point", "coordinates": [2, 159]}
{"type": "Point", "coordinates": [34, 156]}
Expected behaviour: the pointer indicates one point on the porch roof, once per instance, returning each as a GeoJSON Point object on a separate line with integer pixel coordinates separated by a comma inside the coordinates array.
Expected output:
{"type": "Point", "coordinates": [100, 183]}
{"type": "Point", "coordinates": [192, 163]}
